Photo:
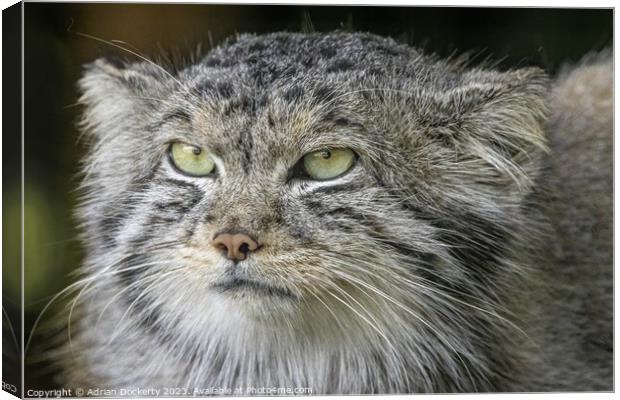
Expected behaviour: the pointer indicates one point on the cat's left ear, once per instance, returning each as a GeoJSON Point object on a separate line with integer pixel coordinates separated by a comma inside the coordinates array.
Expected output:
{"type": "Point", "coordinates": [509, 107]}
{"type": "Point", "coordinates": [499, 118]}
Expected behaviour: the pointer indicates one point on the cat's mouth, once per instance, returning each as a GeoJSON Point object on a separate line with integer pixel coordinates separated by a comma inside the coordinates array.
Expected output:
{"type": "Point", "coordinates": [239, 284]}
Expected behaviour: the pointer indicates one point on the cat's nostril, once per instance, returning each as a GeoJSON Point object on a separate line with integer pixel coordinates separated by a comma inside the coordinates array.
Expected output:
{"type": "Point", "coordinates": [236, 246]}
{"type": "Point", "coordinates": [244, 248]}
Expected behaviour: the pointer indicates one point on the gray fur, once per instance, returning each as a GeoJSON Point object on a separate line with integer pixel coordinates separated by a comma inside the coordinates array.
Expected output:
{"type": "Point", "coordinates": [469, 249]}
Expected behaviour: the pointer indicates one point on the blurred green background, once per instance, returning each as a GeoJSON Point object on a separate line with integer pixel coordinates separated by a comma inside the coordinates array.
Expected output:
{"type": "Point", "coordinates": [54, 55]}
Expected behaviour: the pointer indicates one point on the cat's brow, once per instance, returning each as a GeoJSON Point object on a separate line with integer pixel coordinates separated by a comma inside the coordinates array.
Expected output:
{"type": "Point", "coordinates": [176, 114]}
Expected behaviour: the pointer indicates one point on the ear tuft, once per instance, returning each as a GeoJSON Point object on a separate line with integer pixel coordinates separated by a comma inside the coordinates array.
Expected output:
{"type": "Point", "coordinates": [501, 119]}
{"type": "Point", "coordinates": [114, 94]}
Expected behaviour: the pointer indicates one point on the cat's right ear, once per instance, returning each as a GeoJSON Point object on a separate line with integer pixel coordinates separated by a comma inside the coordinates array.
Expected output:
{"type": "Point", "coordinates": [114, 94]}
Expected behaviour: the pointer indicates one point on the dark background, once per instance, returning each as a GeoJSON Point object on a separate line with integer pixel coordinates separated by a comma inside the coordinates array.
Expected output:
{"type": "Point", "coordinates": [55, 53]}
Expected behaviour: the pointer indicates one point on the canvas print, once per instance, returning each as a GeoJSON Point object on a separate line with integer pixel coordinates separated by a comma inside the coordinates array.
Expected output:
{"type": "Point", "coordinates": [303, 200]}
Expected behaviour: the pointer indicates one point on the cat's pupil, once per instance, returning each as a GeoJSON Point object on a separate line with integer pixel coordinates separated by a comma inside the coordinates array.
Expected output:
{"type": "Point", "coordinates": [326, 154]}
{"type": "Point", "coordinates": [197, 151]}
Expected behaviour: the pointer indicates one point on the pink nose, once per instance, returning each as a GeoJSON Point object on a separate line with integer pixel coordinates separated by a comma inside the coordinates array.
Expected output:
{"type": "Point", "coordinates": [236, 246]}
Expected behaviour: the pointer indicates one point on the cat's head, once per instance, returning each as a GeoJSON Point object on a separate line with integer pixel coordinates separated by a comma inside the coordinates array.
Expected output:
{"type": "Point", "coordinates": [288, 179]}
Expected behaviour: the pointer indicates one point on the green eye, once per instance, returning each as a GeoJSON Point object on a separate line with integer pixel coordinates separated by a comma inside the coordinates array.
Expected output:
{"type": "Point", "coordinates": [328, 164]}
{"type": "Point", "coordinates": [191, 160]}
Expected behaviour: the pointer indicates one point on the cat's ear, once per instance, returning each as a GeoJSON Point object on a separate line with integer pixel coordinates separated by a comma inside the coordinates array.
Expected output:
{"type": "Point", "coordinates": [115, 94]}
{"type": "Point", "coordinates": [500, 118]}
{"type": "Point", "coordinates": [508, 108]}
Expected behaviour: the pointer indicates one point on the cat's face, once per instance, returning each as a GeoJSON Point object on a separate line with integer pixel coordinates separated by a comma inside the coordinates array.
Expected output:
{"type": "Point", "coordinates": [289, 179]}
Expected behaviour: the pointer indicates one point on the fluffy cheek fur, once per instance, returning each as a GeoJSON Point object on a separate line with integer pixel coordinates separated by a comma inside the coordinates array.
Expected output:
{"type": "Point", "coordinates": [361, 265]}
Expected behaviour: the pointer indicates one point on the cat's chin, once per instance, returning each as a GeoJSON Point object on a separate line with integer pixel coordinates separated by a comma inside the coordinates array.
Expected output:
{"type": "Point", "coordinates": [253, 298]}
{"type": "Point", "coordinates": [246, 287]}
